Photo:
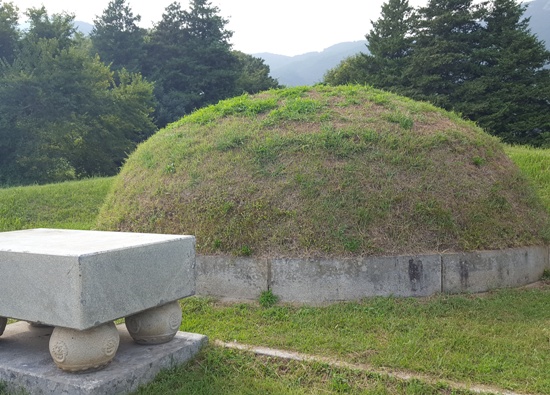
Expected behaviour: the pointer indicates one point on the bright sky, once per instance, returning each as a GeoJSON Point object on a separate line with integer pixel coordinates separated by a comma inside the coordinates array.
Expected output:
{"type": "Point", "coordinates": [286, 27]}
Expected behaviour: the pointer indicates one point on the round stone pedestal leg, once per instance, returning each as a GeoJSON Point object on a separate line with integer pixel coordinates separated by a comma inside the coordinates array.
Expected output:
{"type": "Point", "coordinates": [91, 349]}
{"type": "Point", "coordinates": [156, 325]}
{"type": "Point", "coordinates": [3, 322]}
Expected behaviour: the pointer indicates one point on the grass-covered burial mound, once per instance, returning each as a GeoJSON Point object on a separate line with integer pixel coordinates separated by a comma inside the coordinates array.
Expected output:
{"type": "Point", "coordinates": [326, 171]}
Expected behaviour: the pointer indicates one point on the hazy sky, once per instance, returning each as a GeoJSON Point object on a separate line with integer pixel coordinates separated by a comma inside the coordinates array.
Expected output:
{"type": "Point", "coordinates": [286, 27]}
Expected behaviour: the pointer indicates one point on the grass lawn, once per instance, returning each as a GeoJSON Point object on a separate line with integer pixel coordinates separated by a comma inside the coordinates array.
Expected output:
{"type": "Point", "coordinates": [69, 205]}
{"type": "Point", "coordinates": [228, 372]}
{"type": "Point", "coordinates": [501, 338]}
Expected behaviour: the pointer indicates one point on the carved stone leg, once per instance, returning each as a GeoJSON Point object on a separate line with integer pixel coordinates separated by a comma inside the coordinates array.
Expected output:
{"type": "Point", "coordinates": [3, 322]}
{"type": "Point", "coordinates": [156, 325]}
{"type": "Point", "coordinates": [91, 349]}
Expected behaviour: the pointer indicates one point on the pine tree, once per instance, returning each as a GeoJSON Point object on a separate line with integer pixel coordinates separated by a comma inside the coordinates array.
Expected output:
{"type": "Point", "coordinates": [511, 97]}
{"type": "Point", "coordinates": [117, 38]}
{"type": "Point", "coordinates": [390, 45]}
{"type": "Point", "coordinates": [478, 59]}
{"type": "Point", "coordinates": [189, 58]}
{"type": "Point", "coordinates": [446, 35]}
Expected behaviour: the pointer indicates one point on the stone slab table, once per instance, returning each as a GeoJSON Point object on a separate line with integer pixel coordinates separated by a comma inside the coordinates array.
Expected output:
{"type": "Point", "coordinates": [79, 282]}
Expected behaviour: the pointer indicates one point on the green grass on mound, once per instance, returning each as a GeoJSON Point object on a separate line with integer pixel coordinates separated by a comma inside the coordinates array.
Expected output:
{"type": "Point", "coordinates": [535, 163]}
{"type": "Point", "coordinates": [70, 205]}
{"type": "Point", "coordinates": [326, 171]}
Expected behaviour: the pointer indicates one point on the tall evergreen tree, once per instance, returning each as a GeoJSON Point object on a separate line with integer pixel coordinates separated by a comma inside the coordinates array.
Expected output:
{"type": "Point", "coordinates": [117, 38]}
{"type": "Point", "coordinates": [390, 43]}
{"type": "Point", "coordinates": [511, 97]}
{"type": "Point", "coordinates": [189, 58]}
{"type": "Point", "coordinates": [479, 59]}
{"type": "Point", "coordinates": [9, 36]}
{"type": "Point", "coordinates": [9, 33]}
{"type": "Point", "coordinates": [446, 35]}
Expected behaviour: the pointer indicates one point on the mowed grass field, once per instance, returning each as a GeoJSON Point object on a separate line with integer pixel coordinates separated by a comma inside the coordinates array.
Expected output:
{"type": "Point", "coordinates": [500, 339]}
{"type": "Point", "coordinates": [68, 205]}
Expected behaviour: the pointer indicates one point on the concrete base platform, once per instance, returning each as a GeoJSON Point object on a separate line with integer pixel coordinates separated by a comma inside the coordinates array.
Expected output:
{"type": "Point", "coordinates": [318, 281]}
{"type": "Point", "coordinates": [25, 363]}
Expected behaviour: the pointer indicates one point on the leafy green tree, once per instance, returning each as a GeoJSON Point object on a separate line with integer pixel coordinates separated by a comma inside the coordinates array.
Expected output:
{"type": "Point", "coordinates": [62, 116]}
{"type": "Point", "coordinates": [254, 75]}
{"type": "Point", "coordinates": [20, 95]}
{"type": "Point", "coordinates": [57, 26]}
{"type": "Point", "coordinates": [9, 33]}
{"type": "Point", "coordinates": [352, 70]}
{"type": "Point", "coordinates": [189, 58]}
{"type": "Point", "coordinates": [117, 38]}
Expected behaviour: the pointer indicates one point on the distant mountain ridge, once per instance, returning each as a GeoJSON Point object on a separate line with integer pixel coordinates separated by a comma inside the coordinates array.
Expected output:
{"type": "Point", "coordinates": [309, 68]}
{"type": "Point", "coordinates": [84, 27]}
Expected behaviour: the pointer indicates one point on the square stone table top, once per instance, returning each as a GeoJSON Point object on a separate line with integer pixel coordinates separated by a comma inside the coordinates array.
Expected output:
{"type": "Point", "coordinates": [80, 279]}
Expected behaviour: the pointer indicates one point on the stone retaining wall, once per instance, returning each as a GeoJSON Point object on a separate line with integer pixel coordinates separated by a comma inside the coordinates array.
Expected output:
{"type": "Point", "coordinates": [318, 281]}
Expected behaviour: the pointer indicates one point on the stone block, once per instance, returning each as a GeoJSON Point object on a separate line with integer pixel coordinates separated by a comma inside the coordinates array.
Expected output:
{"type": "Point", "coordinates": [485, 270]}
{"type": "Point", "coordinates": [80, 279]}
{"type": "Point", "coordinates": [231, 277]}
{"type": "Point", "coordinates": [319, 281]}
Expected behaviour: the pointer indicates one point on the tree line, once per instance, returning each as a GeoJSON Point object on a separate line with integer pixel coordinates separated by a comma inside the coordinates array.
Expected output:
{"type": "Point", "coordinates": [478, 59]}
{"type": "Point", "coordinates": [74, 106]}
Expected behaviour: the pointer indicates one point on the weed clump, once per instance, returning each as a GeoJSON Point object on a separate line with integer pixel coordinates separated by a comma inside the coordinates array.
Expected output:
{"type": "Point", "coordinates": [326, 171]}
{"type": "Point", "coordinates": [268, 299]}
